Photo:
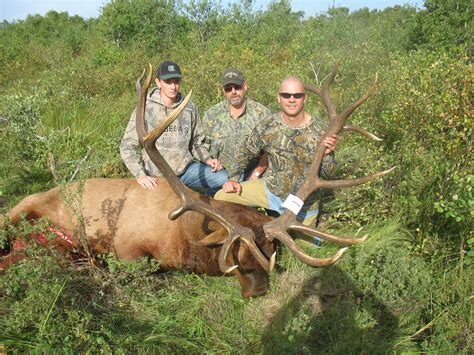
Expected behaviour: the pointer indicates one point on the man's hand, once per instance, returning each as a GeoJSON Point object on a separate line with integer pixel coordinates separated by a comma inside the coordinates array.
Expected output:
{"type": "Point", "coordinates": [232, 186]}
{"type": "Point", "coordinates": [148, 182]}
{"type": "Point", "coordinates": [330, 143]}
{"type": "Point", "coordinates": [215, 164]}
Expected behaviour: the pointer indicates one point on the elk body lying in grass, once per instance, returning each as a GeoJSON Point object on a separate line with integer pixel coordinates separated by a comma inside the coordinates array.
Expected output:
{"type": "Point", "coordinates": [119, 216]}
{"type": "Point", "coordinates": [175, 225]}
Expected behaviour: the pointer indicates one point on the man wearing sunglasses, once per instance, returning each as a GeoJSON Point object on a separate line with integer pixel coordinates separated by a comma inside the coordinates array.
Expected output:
{"type": "Point", "coordinates": [231, 120]}
{"type": "Point", "coordinates": [182, 144]}
{"type": "Point", "coordinates": [289, 137]}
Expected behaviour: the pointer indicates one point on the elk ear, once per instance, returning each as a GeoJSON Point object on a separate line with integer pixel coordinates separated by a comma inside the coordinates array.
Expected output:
{"type": "Point", "coordinates": [215, 238]}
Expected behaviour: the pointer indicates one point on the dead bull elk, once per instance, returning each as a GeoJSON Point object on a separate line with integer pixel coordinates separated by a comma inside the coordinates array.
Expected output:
{"type": "Point", "coordinates": [209, 237]}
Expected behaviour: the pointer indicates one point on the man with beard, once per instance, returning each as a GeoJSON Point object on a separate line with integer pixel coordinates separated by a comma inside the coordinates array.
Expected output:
{"type": "Point", "coordinates": [227, 123]}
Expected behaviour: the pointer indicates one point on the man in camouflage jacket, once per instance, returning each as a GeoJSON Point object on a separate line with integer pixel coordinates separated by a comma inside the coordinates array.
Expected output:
{"type": "Point", "coordinates": [290, 138]}
{"type": "Point", "coordinates": [228, 122]}
{"type": "Point", "coordinates": [181, 144]}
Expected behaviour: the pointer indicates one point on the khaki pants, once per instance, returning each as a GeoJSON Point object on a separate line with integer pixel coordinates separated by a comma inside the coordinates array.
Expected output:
{"type": "Point", "coordinates": [255, 193]}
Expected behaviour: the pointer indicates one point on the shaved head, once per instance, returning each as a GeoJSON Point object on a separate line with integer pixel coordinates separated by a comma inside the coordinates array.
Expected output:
{"type": "Point", "coordinates": [292, 84]}
{"type": "Point", "coordinates": [291, 106]}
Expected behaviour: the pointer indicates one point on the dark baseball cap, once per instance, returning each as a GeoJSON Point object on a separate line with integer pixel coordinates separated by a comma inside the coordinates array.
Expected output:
{"type": "Point", "coordinates": [232, 76]}
{"type": "Point", "coordinates": [168, 70]}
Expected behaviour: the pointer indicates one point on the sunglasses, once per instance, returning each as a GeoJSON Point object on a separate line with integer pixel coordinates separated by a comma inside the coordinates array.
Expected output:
{"type": "Point", "coordinates": [296, 95]}
{"type": "Point", "coordinates": [228, 88]}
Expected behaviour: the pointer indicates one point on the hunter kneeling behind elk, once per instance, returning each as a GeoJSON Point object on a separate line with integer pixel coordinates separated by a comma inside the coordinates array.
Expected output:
{"type": "Point", "coordinates": [184, 146]}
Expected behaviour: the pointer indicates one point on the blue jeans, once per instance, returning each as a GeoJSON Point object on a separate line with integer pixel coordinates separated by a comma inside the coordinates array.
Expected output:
{"type": "Point", "coordinates": [200, 176]}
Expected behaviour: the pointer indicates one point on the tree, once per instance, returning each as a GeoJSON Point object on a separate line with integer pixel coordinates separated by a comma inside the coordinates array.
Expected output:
{"type": "Point", "coordinates": [444, 23]}
{"type": "Point", "coordinates": [155, 22]}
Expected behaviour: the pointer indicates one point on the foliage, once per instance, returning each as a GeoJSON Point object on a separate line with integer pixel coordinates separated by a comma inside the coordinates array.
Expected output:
{"type": "Point", "coordinates": [426, 120]}
{"type": "Point", "coordinates": [444, 23]}
{"type": "Point", "coordinates": [155, 23]}
{"type": "Point", "coordinates": [53, 38]}
{"type": "Point", "coordinates": [437, 112]}
{"type": "Point", "coordinates": [22, 147]}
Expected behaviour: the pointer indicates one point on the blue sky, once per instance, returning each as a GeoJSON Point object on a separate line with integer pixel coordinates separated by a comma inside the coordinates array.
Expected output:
{"type": "Point", "coordinates": [11, 10]}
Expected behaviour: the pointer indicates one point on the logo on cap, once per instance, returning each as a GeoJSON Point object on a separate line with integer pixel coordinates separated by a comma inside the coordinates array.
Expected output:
{"type": "Point", "coordinates": [171, 68]}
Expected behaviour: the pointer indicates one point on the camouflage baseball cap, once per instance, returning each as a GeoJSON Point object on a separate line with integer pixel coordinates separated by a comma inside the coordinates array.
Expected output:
{"type": "Point", "coordinates": [232, 76]}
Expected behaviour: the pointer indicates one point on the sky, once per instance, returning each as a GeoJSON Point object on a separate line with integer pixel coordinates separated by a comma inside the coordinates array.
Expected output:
{"type": "Point", "coordinates": [12, 10]}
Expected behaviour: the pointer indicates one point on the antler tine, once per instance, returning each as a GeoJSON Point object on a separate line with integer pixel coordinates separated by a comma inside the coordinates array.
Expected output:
{"type": "Point", "coordinates": [287, 221]}
{"type": "Point", "coordinates": [274, 231]}
{"type": "Point", "coordinates": [141, 93]}
{"type": "Point", "coordinates": [251, 244]}
{"type": "Point", "coordinates": [361, 131]}
{"type": "Point", "coordinates": [327, 236]}
{"type": "Point", "coordinates": [348, 111]}
{"type": "Point", "coordinates": [332, 184]}
{"type": "Point", "coordinates": [215, 239]}
{"type": "Point", "coordinates": [226, 248]}
{"type": "Point", "coordinates": [325, 94]}
{"type": "Point", "coordinates": [234, 230]}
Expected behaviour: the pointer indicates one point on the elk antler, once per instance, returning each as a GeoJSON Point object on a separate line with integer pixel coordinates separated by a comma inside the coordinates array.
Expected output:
{"type": "Point", "coordinates": [188, 202]}
{"type": "Point", "coordinates": [280, 227]}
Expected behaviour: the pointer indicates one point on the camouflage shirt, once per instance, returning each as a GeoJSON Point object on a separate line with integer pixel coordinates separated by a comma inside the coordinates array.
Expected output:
{"type": "Point", "coordinates": [290, 152]}
{"type": "Point", "coordinates": [224, 133]}
{"type": "Point", "coordinates": [181, 143]}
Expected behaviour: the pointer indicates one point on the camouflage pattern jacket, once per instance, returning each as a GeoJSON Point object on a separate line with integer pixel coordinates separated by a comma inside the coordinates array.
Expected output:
{"type": "Point", "coordinates": [181, 143]}
{"type": "Point", "coordinates": [290, 153]}
{"type": "Point", "coordinates": [224, 133]}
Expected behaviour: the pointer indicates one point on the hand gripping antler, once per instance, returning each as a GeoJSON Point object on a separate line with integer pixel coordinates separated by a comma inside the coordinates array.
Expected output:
{"type": "Point", "coordinates": [188, 202]}
{"type": "Point", "coordinates": [280, 227]}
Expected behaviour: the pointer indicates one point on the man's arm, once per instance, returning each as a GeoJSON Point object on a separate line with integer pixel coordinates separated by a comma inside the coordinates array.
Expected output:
{"type": "Point", "coordinates": [260, 168]}
{"type": "Point", "coordinates": [199, 147]}
{"type": "Point", "coordinates": [262, 112]}
{"type": "Point", "coordinates": [129, 151]}
{"type": "Point", "coordinates": [249, 147]}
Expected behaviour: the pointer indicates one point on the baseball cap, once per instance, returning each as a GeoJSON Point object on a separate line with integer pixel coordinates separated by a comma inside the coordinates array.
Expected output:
{"type": "Point", "coordinates": [168, 70]}
{"type": "Point", "coordinates": [232, 76]}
